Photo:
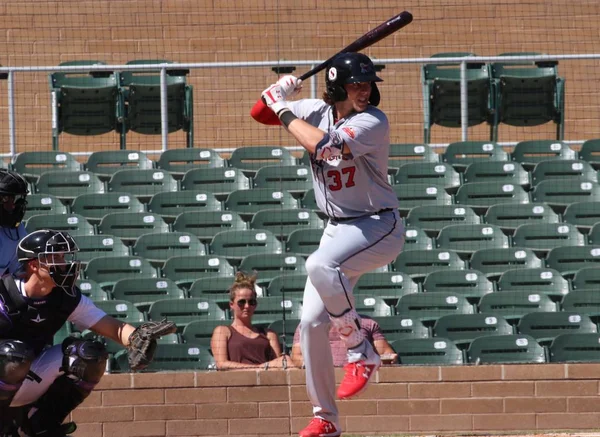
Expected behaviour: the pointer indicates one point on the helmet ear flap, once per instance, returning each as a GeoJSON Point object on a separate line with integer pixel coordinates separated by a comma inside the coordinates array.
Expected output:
{"type": "Point", "coordinates": [339, 93]}
{"type": "Point", "coordinates": [375, 95]}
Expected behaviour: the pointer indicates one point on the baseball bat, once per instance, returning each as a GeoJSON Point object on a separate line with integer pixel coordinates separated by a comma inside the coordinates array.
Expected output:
{"type": "Point", "coordinates": [368, 39]}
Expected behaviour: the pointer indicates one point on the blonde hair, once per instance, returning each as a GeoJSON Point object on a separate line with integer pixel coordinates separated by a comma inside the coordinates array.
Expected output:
{"type": "Point", "coordinates": [243, 280]}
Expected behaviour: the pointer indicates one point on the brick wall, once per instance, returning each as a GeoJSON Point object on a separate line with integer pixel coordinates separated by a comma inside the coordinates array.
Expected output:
{"type": "Point", "coordinates": [407, 400]}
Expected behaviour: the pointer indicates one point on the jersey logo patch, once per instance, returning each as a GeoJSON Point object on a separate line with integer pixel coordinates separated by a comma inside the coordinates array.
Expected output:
{"type": "Point", "coordinates": [349, 131]}
{"type": "Point", "coordinates": [38, 319]}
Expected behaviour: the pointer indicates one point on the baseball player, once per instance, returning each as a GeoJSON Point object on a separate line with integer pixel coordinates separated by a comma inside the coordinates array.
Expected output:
{"type": "Point", "coordinates": [40, 384]}
{"type": "Point", "coordinates": [13, 194]}
{"type": "Point", "coordinates": [347, 137]}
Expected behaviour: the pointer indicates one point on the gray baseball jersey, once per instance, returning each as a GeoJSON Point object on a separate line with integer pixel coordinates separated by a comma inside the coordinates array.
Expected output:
{"type": "Point", "coordinates": [351, 185]}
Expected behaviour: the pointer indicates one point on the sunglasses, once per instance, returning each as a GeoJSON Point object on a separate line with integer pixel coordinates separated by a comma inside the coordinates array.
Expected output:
{"type": "Point", "coordinates": [242, 302]}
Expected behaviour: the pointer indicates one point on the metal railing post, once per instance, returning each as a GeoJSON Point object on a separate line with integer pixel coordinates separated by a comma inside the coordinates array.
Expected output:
{"type": "Point", "coordinates": [464, 102]}
{"type": "Point", "coordinates": [11, 116]}
{"type": "Point", "coordinates": [164, 114]}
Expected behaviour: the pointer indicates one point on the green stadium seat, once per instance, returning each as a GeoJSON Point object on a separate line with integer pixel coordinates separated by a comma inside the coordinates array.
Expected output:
{"type": "Point", "coordinates": [74, 224]}
{"type": "Point", "coordinates": [441, 95]}
{"type": "Point", "coordinates": [419, 263]}
{"type": "Point", "coordinates": [128, 226]}
{"type": "Point", "coordinates": [297, 179]}
{"type": "Point", "coordinates": [212, 287]}
{"type": "Point", "coordinates": [512, 305]}
{"type": "Point", "coordinates": [173, 357]}
{"type": "Point", "coordinates": [95, 206]}
{"type": "Point", "coordinates": [575, 348]}
{"type": "Point", "coordinates": [498, 172]}
{"type": "Point", "coordinates": [388, 285]}
{"type": "Point", "coordinates": [269, 265]}
{"type": "Point", "coordinates": [291, 284]}
{"type": "Point", "coordinates": [471, 284]}
{"type": "Point", "coordinates": [170, 205]}
{"type": "Point", "coordinates": [590, 152]}
{"type": "Point", "coordinates": [158, 247]}
{"type": "Point", "coordinates": [270, 309]}
{"type": "Point", "coordinates": [542, 237]}
{"type": "Point", "coordinates": [584, 215]}
{"type": "Point", "coordinates": [540, 280]}
{"type": "Point", "coordinates": [494, 262]}
{"type": "Point", "coordinates": [200, 332]}
{"type": "Point", "coordinates": [283, 221]}
{"type": "Point", "coordinates": [411, 195]}
{"type": "Point", "coordinates": [250, 159]}
{"type": "Point", "coordinates": [585, 279]}
{"type": "Point", "coordinates": [249, 202]}
{"type": "Point", "coordinates": [594, 235]}
{"type": "Point", "coordinates": [564, 169]}
{"type": "Point", "coordinates": [122, 310]}
{"type": "Point", "coordinates": [569, 259]}
{"type": "Point", "coordinates": [94, 246]}
{"type": "Point", "coordinates": [482, 195]}
{"type": "Point", "coordinates": [206, 224]}
{"type": "Point", "coordinates": [466, 239]}
{"type": "Point", "coordinates": [33, 163]}
{"type": "Point", "coordinates": [427, 352]}
{"type": "Point", "coordinates": [461, 154]}
{"type": "Point", "coordinates": [585, 303]}
{"type": "Point", "coordinates": [141, 93]}
{"type": "Point", "coordinates": [373, 305]}
{"type": "Point", "coordinates": [179, 161]}
{"type": "Point", "coordinates": [401, 154]}
{"type": "Point", "coordinates": [236, 244]}
{"type": "Point", "coordinates": [428, 307]}
{"type": "Point", "coordinates": [43, 204]}
{"type": "Point", "coordinates": [184, 311]}
{"type": "Point", "coordinates": [568, 191]}
{"type": "Point", "coordinates": [510, 216]}
{"type": "Point", "coordinates": [432, 218]}
{"type": "Point", "coordinates": [107, 270]}
{"type": "Point", "coordinates": [85, 104]}
{"type": "Point", "coordinates": [529, 153]}
{"type": "Point", "coordinates": [398, 327]}
{"type": "Point", "coordinates": [435, 174]}
{"type": "Point", "coordinates": [105, 163]}
{"type": "Point", "coordinates": [67, 185]}
{"type": "Point", "coordinates": [528, 94]}
{"type": "Point", "coordinates": [505, 349]}
{"type": "Point", "coordinates": [303, 241]}
{"type": "Point", "coordinates": [92, 290]}
{"type": "Point", "coordinates": [142, 292]}
{"type": "Point", "coordinates": [285, 329]}
{"type": "Point", "coordinates": [142, 183]}
{"type": "Point", "coordinates": [416, 239]}
{"type": "Point", "coordinates": [462, 329]}
{"type": "Point", "coordinates": [545, 326]}
{"type": "Point", "coordinates": [308, 201]}
{"type": "Point", "coordinates": [185, 269]}
{"type": "Point", "coordinates": [219, 181]}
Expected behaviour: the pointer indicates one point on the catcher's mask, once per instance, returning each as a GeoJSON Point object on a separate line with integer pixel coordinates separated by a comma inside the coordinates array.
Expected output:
{"type": "Point", "coordinates": [351, 68]}
{"type": "Point", "coordinates": [13, 192]}
{"type": "Point", "coordinates": [56, 251]}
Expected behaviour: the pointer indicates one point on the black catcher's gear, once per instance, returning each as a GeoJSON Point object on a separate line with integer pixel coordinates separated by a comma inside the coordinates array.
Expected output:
{"type": "Point", "coordinates": [56, 251]}
{"type": "Point", "coordinates": [351, 68]}
{"type": "Point", "coordinates": [13, 192]}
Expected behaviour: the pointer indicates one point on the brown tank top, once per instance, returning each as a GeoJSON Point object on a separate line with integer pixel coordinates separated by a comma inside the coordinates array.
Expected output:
{"type": "Point", "coordinates": [242, 349]}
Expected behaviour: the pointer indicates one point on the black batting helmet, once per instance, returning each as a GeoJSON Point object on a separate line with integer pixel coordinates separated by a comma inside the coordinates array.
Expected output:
{"type": "Point", "coordinates": [351, 68]}
{"type": "Point", "coordinates": [13, 190]}
{"type": "Point", "coordinates": [56, 251]}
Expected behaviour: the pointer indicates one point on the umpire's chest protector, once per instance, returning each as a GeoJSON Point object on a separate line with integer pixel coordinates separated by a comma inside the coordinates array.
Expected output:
{"type": "Point", "coordinates": [33, 321]}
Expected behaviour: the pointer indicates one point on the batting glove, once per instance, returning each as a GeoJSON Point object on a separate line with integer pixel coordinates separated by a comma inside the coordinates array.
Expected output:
{"type": "Point", "coordinates": [274, 98]}
{"type": "Point", "coordinates": [290, 86]}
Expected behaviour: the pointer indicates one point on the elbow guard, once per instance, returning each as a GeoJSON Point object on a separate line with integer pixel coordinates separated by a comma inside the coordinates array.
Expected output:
{"type": "Point", "coordinates": [330, 146]}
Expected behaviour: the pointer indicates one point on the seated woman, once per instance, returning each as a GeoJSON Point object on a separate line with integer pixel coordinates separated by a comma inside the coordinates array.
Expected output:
{"type": "Point", "coordinates": [241, 345]}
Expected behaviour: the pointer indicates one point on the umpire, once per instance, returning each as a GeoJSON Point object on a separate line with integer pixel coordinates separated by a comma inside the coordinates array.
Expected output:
{"type": "Point", "coordinates": [41, 384]}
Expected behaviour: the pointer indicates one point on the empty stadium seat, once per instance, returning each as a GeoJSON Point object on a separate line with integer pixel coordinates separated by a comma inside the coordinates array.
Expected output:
{"type": "Point", "coordinates": [200, 331]}
{"type": "Point", "coordinates": [95, 206]}
{"type": "Point", "coordinates": [418, 263]}
{"type": "Point", "coordinates": [219, 181]}
{"type": "Point", "coordinates": [461, 154]}
{"type": "Point", "coordinates": [250, 159]}
{"type": "Point", "coordinates": [107, 270]}
{"type": "Point", "coordinates": [542, 237]}
{"type": "Point", "coordinates": [373, 305]}
{"type": "Point", "coordinates": [94, 246]}
{"type": "Point", "coordinates": [435, 174]}
{"type": "Point", "coordinates": [289, 284]}
{"type": "Point", "coordinates": [563, 169]}
{"type": "Point", "coordinates": [158, 247]}
{"type": "Point", "coordinates": [105, 163]}
{"type": "Point", "coordinates": [545, 326]}
{"type": "Point", "coordinates": [185, 269]}
{"type": "Point", "coordinates": [584, 215]}
{"type": "Point", "coordinates": [568, 259]}
{"type": "Point", "coordinates": [497, 171]}
{"type": "Point", "coordinates": [169, 205]}
{"type": "Point", "coordinates": [92, 290]}
{"type": "Point", "coordinates": [510, 217]}
{"type": "Point", "coordinates": [403, 153]}
{"type": "Point", "coordinates": [584, 303]}
{"type": "Point", "coordinates": [435, 217]}
{"type": "Point", "coordinates": [212, 287]}
{"type": "Point", "coordinates": [472, 284]}
{"type": "Point", "coordinates": [297, 179]}
{"type": "Point", "coordinates": [269, 265]}
{"type": "Point", "coordinates": [179, 161]}
{"type": "Point", "coordinates": [427, 352]}
{"type": "Point", "coordinates": [585, 279]}
{"type": "Point", "coordinates": [68, 185]}
{"type": "Point", "coordinates": [122, 310]}
{"type": "Point", "coordinates": [590, 152]}
{"type": "Point", "coordinates": [468, 238]}
{"type": "Point", "coordinates": [504, 349]}
{"type": "Point", "coordinates": [399, 327]}
{"type": "Point", "coordinates": [512, 305]}
{"type": "Point", "coordinates": [575, 348]}
{"type": "Point", "coordinates": [482, 195]}
{"type": "Point", "coordinates": [416, 239]}
{"type": "Point", "coordinates": [560, 195]}
{"type": "Point", "coordinates": [285, 329]}
{"type": "Point", "coordinates": [142, 292]}
{"type": "Point", "coordinates": [539, 280]}
{"type": "Point", "coordinates": [249, 202]}
{"type": "Point", "coordinates": [530, 152]}
{"type": "Point", "coordinates": [74, 224]}
{"type": "Point", "coordinates": [462, 329]}
{"type": "Point", "coordinates": [411, 195]}
{"type": "Point", "coordinates": [428, 307]}
{"type": "Point", "coordinates": [235, 245]}
{"type": "Point", "coordinates": [388, 285]}
{"type": "Point", "coordinates": [270, 309]}
{"type": "Point", "coordinates": [494, 262]}
{"type": "Point", "coordinates": [42, 204]}
{"type": "Point", "coordinates": [303, 241]}
{"type": "Point", "coordinates": [206, 224]}
{"type": "Point", "coordinates": [184, 311]}
{"type": "Point", "coordinates": [128, 226]}
{"type": "Point", "coordinates": [283, 221]}
{"type": "Point", "coordinates": [31, 164]}
{"type": "Point", "coordinates": [142, 183]}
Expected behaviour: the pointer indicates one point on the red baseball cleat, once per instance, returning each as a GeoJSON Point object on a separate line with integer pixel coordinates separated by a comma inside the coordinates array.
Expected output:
{"type": "Point", "coordinates": [320, 428]}
{"type": "Point", "coordinates": [358, 374]}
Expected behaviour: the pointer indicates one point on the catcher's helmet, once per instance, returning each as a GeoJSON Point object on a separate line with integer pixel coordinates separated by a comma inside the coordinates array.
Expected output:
{"type": "Point", "coordinates": [351, 68]}
{"type": "Point", "coordinates": [56, 251]}
{"type": "Point", "coordinates": [13, 192]}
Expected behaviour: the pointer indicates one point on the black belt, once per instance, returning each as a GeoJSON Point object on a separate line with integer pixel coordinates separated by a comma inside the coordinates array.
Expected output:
{"type": "Point", "coordinates": [347, 219]}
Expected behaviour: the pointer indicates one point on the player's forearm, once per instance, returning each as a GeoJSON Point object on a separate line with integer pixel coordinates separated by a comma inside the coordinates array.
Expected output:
{"type": "Point", "coordinates": [113, 329]}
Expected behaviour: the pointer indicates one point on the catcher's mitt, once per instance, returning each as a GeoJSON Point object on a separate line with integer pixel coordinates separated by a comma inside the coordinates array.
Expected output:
{"type": "Point", "coordinates": [142, 342]}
